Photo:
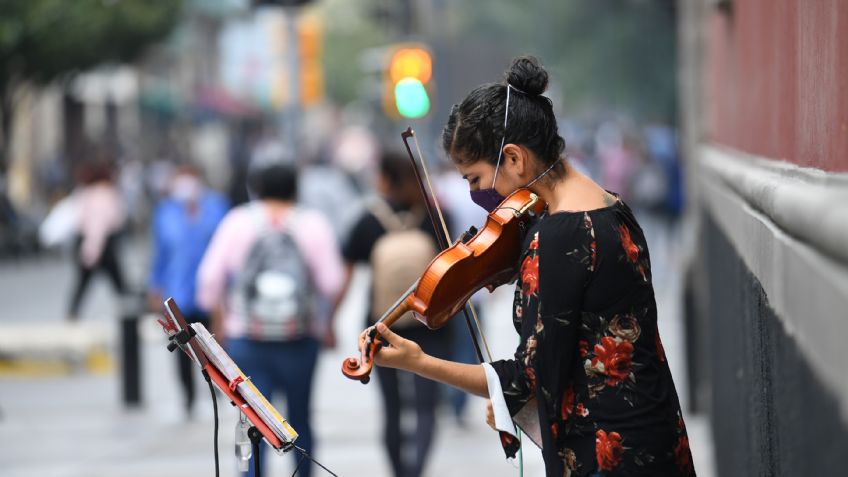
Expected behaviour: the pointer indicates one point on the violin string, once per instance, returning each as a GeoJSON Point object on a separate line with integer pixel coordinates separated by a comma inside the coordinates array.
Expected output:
{"type": "Point", "coordinates": [448, 236]}
{"type": "Point", "coordinates": [399, 301]}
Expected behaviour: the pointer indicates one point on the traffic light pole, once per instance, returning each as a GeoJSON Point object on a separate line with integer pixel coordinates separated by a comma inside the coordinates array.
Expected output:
{"type": "Point", "coordinates": [291, 113]}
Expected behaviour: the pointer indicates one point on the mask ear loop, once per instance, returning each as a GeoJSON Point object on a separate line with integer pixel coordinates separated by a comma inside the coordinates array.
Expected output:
{"type": "Point", "coordinates": [544, 173]}
{"type": "Point", "coordinates": [503, 139]}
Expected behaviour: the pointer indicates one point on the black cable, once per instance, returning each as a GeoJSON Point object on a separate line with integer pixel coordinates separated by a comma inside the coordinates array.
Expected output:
{"type": "Point", "coordinates": [297, 467]}
{"type": "Point", "coordinates": [305, 454]}
{"type": "Point", "coordinates": [215, 412]}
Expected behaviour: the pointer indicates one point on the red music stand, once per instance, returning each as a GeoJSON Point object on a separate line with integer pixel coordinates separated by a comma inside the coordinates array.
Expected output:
{"type": "Point", "coordinates": [202, 349]}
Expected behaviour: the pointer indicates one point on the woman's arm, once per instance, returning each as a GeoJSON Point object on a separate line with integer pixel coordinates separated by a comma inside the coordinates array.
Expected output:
{"type": "Point", "coordinates": [407, 355]}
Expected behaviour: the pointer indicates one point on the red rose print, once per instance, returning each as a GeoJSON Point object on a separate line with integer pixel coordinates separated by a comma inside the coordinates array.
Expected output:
{"type": "Point", "coordinates": [530, 276]}
{"type": "Point", "coordinates": [554, 430]}
{"type": "Point", "coordinates": [613, 357]}
{"type": "Point", "coordinates": [584, 348]}
{"type": "Point", "coordinates": [531, 377]}
{"type": "Point", "coordinates": [530, 351]}
{"type": "Point", "coordinates": [581, 410]}
{"type": "Point", "coordinates": [567, 403]}
{"type": "Point", "coordinates": [608, 449]}
{"type": "Point", "coordinates": [630, 248]}
{"type": "Point", "coordinates": [683, 455]}
{"type": "Point", "coordinates": [506, 440]}
{"type": "Point", "coordinates": [534, 245]}
{"type": "Point", "coordinates": [593, 247]}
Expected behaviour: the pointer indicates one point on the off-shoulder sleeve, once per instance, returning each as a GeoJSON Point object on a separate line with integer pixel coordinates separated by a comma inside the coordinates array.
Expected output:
{"type": "Point", "coordinates": [553, 276]}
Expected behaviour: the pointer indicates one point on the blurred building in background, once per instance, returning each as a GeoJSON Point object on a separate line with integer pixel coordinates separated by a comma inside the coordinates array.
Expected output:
{"type": "Point", "coordinates": [766, 133]}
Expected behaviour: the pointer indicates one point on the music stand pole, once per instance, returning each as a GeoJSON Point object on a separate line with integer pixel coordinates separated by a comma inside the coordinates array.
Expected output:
{"type": "Point", "coordinates": [255, 438]}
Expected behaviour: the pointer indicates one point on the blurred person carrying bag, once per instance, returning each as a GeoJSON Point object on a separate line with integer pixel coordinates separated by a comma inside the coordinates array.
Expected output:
{"type": "Point", "coordinates": [274, 291]}
{"type": "Point", "coordinates": [398, 258]}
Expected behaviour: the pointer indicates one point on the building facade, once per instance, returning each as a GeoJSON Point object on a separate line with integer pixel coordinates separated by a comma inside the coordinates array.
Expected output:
{"type": "Point", "coordinates": [764, 94]}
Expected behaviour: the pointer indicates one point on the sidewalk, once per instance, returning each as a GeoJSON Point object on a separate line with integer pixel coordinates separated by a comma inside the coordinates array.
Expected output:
{"type": "Point", "coordinates": [74, 424]}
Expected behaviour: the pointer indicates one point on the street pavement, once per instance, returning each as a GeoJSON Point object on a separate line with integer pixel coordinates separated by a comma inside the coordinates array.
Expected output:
{"type": "Point", "coordinates": [69, 421]}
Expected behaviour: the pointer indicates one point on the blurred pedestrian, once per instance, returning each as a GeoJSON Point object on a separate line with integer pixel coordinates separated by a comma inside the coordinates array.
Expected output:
{"type": "Point", "coordinates": [261, 276]}
{"type": "Point", "coordinates": [396, 238]}
{"type": "Point", "coordinates": [101, 217]}
{"type": "Point", "coordinates": [182, 226]}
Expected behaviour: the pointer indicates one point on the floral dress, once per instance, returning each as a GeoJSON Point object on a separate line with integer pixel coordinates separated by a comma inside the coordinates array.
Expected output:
{"type": "Point", "coordinates": [590, 352]}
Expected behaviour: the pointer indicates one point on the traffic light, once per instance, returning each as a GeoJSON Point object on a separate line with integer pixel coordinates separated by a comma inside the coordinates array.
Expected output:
{"type": "Point", "coordinates": [408, 81]}
{"type": "Point", "coordinates": [311, 73]}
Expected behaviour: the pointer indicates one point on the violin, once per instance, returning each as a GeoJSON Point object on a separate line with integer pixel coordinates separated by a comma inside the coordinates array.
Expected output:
{"type": "Point", "coordinates": [480, 258]}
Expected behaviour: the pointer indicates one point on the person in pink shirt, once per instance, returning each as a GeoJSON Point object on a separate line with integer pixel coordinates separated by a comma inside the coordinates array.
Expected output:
{"type": "Point", "coordinates": [265, 259]}
{"type": "Point", "coordinates": [101, 217]}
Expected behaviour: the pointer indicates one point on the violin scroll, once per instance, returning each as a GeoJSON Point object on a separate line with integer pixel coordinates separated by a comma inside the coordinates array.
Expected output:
{"type": "Point", "coordinates": [359, 369]}
{"type": "Point", "coordinates": [353, 369]}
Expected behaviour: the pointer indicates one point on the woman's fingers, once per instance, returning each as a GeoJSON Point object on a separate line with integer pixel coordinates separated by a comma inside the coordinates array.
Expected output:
{"type": "Point", "coordinates": [363, 337]}
{"type": "Point", "coordinates": [388, 334]}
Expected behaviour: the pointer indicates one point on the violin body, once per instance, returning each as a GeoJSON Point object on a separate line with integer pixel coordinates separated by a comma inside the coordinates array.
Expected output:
{"type": "Point", "coordinates": [488, 259]}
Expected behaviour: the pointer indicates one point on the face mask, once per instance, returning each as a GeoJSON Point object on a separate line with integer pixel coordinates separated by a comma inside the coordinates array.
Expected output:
{"type": "Point", "coordinates": [186, 188]}
{"type": "Point", "coordinates": [488, 199]}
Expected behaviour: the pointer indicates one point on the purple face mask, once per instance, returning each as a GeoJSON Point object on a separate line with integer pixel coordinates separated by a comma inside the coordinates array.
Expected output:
{"type": "Point", "coordinates": [489, 199]}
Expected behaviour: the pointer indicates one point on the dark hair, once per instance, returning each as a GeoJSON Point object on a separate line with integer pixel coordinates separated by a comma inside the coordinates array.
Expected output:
{"type": "Point", "coordinates": [274, 181]}
{"type": "Point", "coordinates": [475, 126]}
{"type": "Point", "coordinates": [396, 169]}
{"type": "Point", "coordinates": [94, 171]}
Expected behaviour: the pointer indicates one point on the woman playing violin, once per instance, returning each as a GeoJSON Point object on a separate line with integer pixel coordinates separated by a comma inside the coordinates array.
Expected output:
{"type": "Point", "coordinates": [590, 364]}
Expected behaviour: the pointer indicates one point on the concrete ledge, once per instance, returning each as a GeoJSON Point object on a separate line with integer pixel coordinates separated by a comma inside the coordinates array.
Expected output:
{"type": "Point", "coordinates": [807, 203]}
{"type": "Point", "coordinates": [45, 340]}
{"type": "Point", "coordinates": [790, 226]}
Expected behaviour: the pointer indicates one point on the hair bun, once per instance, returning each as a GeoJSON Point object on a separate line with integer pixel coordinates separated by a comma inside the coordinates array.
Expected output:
{"type": "Point", "coordinates": [528, 75]}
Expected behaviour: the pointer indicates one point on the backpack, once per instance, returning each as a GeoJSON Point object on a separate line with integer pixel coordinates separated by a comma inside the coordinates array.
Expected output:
{"type": "Point", "coordinates": [274, 291]}
{"type": "Point", "coordinates": [398, 258]}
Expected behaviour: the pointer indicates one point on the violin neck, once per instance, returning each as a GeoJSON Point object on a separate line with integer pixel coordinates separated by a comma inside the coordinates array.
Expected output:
{"type": "Point", "coordinates": [401, 306]}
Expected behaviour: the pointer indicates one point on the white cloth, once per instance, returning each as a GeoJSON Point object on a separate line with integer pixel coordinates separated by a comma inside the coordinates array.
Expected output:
{"type": "Point", "coordinates": [61, 224]}
{"type": "Point", "coordinates": [527, 418]}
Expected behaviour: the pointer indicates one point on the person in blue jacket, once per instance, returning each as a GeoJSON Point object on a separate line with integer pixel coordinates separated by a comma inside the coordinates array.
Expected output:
{"type": "Point", "coordinates": [183, 224]}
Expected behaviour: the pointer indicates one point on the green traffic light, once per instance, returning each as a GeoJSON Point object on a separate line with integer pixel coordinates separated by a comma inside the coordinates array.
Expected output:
{"type": "Point", "coordinates": [411, 98]}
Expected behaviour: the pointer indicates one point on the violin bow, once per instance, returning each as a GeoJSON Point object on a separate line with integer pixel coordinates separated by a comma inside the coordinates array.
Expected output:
{"type": "Point", "coordinates": [442, 234]}
{"type": "Point", "coordinates": [510, 446]}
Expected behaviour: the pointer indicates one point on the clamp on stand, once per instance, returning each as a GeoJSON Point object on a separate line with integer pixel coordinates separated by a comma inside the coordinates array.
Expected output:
{"type": "Point", "coordinates": [180, 339]}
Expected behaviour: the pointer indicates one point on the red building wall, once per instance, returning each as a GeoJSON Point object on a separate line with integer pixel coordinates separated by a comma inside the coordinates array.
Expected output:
{"type": "Point", "coordinates": [778, 80]}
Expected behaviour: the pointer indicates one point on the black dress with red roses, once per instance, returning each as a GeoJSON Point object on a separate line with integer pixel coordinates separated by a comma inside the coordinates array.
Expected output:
{"type": "Point", "coordinates": [590, 352]}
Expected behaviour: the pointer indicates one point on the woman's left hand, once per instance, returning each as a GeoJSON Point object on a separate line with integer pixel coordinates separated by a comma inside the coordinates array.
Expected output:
{"type": "Point", "coordinates": [401, 353]}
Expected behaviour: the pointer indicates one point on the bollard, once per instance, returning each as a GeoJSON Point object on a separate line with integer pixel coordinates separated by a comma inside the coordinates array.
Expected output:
{"type": "Point", "coordinates": [130, 353]}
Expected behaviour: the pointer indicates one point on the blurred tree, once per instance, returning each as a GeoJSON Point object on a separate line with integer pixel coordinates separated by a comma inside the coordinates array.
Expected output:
{"type": "Point", "coordinates": [45, 40]}
{"type": "Point", "coordinates": [610, 54]}
{"type": "Point", "coordinates": [349, 31]}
